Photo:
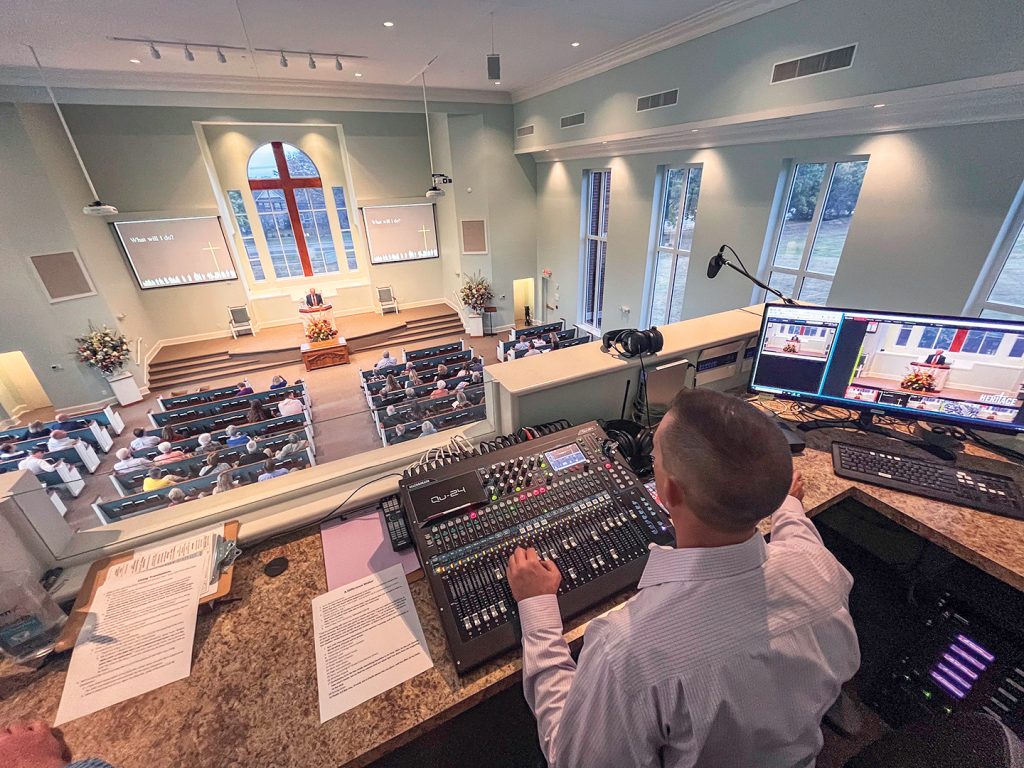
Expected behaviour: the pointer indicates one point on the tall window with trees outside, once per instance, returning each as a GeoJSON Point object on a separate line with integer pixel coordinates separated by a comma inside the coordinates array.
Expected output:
{"type": "Point", "coordinates": [290, 204]}
{"type": "Point", "coordinates": [820, 202]}
{"type": "Point", "coordinates": [1001, 290]}
{"type": "Point", "coordinates": [596, 196]}
{"type": "Point", "coordinates": [244, 227]}
{"type": "Point", "coordinates": [674, 242]}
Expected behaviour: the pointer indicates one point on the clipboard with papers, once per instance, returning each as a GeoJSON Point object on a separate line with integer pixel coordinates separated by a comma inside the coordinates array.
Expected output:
{"type": "Point", "coordinates": [222, 553]}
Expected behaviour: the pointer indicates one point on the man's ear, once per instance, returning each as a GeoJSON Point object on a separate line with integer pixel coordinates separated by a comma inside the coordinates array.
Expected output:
{"type": "Point", "coordinates": [673, 493]}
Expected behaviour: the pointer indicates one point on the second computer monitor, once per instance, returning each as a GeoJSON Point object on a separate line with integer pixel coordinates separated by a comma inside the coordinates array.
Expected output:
{"type": "Point", "coordinates": [957, 370]}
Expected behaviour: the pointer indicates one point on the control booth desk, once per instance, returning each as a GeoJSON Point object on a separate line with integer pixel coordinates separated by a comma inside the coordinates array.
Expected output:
{"type": "Point", "coordinates": [252, 695]}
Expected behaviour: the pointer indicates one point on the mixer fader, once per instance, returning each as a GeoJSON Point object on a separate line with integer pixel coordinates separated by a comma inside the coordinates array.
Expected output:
{"type": "Point", "coordinates": [561, 494]}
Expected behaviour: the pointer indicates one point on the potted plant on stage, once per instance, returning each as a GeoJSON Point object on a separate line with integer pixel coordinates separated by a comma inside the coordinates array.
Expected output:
{"type": "Point", "coordinates": [108, 350]}
{"type": "Point", "coordinates": [918, 381]}
{"type": "Point", "coordinates": [475, 294]}
{"type": "Point", "coordinates": [319, 331]}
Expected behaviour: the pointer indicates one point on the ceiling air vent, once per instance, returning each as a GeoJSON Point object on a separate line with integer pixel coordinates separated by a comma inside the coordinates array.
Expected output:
{"type": "Point", "coordinates": [572, 120]}
{"type": "Point", "coordinates": [526, 130]}
{"type": "Point", "coordinates": [657, 100]}
{"type": "Point", "coordinates": [815, 64]}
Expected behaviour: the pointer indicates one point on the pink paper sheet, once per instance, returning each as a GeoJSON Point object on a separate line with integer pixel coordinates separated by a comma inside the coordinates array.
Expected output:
{"type": "Point", "coordinates": [358, 547]}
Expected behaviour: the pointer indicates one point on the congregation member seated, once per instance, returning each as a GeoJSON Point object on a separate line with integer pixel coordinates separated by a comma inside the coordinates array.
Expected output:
{"type": "Point", "coordinates": [390, 417]}
{"type": "Point", "coordinates": [442, 371]}
{"type": "Point", "coordinates": [278, 382]}
{"type": "Point", "coordinates": [244, 389]}
{"type": "Point", "coordinates": [59, 440]}
{"type": "Point", "coordinates": [36, 464]}
{"type": "Point", "coordinates": [428, 428]}
{"type": "Point", "coordinates": [748, 682]}
{"type": "Point", "coordinates": [8, 451]}
{"type": "Point", "coordinates": [169, 435]}
{"type": "Point", "coordinates": [410, 393]}
{"type": "Point", "coordinates": [269, 472]}
{"type": "Point", "coordinates": [461, 401]}
{"type": "Point", "coordinates": [532, 351]}
{"type": "Point", "coordinates": [294, 445]}
{"type": "Point", "coordinates": [207, 444]}
{"type": "Point", "coordinates": [36, 429]}
{"type": "Point", "coordinates": [168, 453]}
{"type": "Point", "coordinates": [252, 455]}
{"type": "Point", "coordinates": [440, 391]}
{"type": "Point", "coordinates": [391, 384]}
{"type": "Point", "coordinates": [476, 365]}
{"type": "Point", "coordinates": [476, 378]}
{"type": "Point", "coordinates": [69, 425]}
{"type": "Point", "coordinates": [414, 378]}
{"type": "Point", "coordinates": [521, 346]}
{"type": "Point", "coordinates": [156, 480]}
{"type": "Point", "coordinates": [214, 463]}
{"type": "Point", "coordinates": [224, 483]}
{"type": "Point", "coordinates": [553, 340]}
{"type": "Point", "coordinates": [127, 462]}
{"type": "Point", "coordinates": [256, 412]}
{"type": "Point", "coordinates": [234, 437]}
{"type": "Point", "coordinates": [290, 406]}
{"type": "Point", "coordinates": [143, 441]}
{"type": "Point", "coordinates": [401, 435]}
{"type": "Point", "coordinates": [385, 360]}
{"type": "Point", "coordinates": [176, 496]}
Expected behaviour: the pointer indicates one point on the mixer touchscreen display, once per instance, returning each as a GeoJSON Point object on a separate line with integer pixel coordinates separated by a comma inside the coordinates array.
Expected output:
{"type": "Point", "coordinates": [564, 457]}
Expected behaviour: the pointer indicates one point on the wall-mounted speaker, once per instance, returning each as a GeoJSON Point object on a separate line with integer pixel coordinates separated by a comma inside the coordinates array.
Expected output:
{"type": "Point", "coordinates": [494, 66]}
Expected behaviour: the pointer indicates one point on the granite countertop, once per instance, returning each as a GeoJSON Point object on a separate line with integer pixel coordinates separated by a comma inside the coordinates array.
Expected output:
{"type": "Point", "coordinates": [252, 697]}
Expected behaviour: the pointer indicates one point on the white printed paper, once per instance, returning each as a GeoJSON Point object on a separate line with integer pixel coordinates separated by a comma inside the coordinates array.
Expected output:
{"type": "Point", "coordinates": [368, 639]}
{"type": "Point", "coordinates": [173, 551]}
{"type": "Point", "coordinates": [138, 637]}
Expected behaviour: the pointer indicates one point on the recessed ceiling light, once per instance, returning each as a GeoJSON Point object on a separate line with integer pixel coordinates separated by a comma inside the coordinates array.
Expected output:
{"type": "Point", "coordinates": [575, 44]}
{"type": "Point", "coordinates": [389, 24]}
{"type": "Point", "coordinates": [547, 150]}
{"type": "Point", "coordinates": [359, 74]}
{"type": "Point", "coordinates": [694, 130]}
{"type": "Point", "coordinates": [497, 82]}
{"type": "Point", "coordinates": [604, 142]}
{"type": "Point", "coordinates": [134, 61]}
{"type": "Point", "coordinates": [878, 106]}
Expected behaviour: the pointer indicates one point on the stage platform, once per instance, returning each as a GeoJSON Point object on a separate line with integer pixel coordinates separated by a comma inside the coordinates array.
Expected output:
{"type": "Point", "coordinates": [197, 362]}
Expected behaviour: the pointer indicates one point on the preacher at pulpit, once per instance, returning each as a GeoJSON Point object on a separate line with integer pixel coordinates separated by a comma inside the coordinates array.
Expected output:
{"type": "Point", "coordinates": [314, 299]}
{"type": "Point", "coordinates": [937, 357]}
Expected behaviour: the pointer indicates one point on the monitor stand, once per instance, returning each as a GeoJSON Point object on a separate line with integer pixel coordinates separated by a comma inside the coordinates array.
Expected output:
{"type": "Point", "coordinates": [865, 423]}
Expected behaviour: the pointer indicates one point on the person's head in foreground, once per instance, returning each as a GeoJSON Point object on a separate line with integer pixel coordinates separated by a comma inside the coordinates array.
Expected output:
{"type": "Point", "coordinates": [252, 446]}
{"type": "Point", "coordinates": [164, 447]}
{"type": "Point", "coordinates": [204, 439]}
{"type": "Point", "coordinates": [123, 453]}
{"type": "Point", "coordinates": [231, 430]}
{"type": "Point", "coordinates": [139, 432]}
{"type": "Point", "coordinates": [399, 429]}
{"type": "Point", "coordinates": [428, 428]}
{"type": "Point", "coordinates": [720, 466]}
{"type": "Point", "coordinates": [175, 496]}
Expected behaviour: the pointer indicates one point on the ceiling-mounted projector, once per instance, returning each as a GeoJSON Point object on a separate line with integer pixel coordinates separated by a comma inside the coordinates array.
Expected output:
{"type": "Point", "coordinates": [435, 192]}
{"type": "Point", "coordinates": [98, 208]}
{"type": "Point", "coordinates": [438, 178]}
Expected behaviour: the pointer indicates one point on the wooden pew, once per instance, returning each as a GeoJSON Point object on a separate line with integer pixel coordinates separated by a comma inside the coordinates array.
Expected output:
{"type": "Point", "coordinates": [108, 417]}
{"type": "Point", "coordinates": [139, 503]}
{"type": "Point", "coordinates": [194, 398]}
{"type": "Point", "coordinates": [440, 349]}
{"type": "Point", "coordinates": [504, 347]}
{"type": "Point", "coordinates": [376, 401]}
{"type": "Point", "coordinates": [443, 422]}
{"type": "Point", "coordinates": [95, 435]}
{"type": "Point", "coordinates": [426, 364]}
{"type": "Point", "coordinates": [128, 483]}
{"type": "Point", "coordinates": [81, 455]}
{"type": "Point", "coordinates": [256, 429]}
{"type": "Point", "coordinates": [535, 330]}
{"type": "Point", "coordinates": [202, 410]}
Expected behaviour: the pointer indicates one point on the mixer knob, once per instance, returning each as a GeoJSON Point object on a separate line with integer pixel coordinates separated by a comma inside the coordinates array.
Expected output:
{"type": "Point", "coordinates": [594, 536]}
{"type": "Point", "coordinates": [572, 573]}
{"type": "Point", "coordinates": [501, 606]}
{"type": "Point", "coordinates": [565, 544]}
{"type": "Point", "coordinates": [572, 540]}
{"type": "Point", "coordinates": [476, 619]}
{"type": "Point", "coordinates": [498, 574]}
{"type": "Point", "coordinates": [600, 560]}
{"type": "Point", "coordinates": [468, 624]}
{"type": "Point", "coordinates": [593, 563]}
{"type": "Point", "coordinates": [614, 554]}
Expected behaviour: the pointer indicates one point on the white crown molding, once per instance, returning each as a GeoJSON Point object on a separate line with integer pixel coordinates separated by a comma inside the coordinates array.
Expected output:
{"type": "Point", "coordinates": [709, 20]}
{"type": "Point", "coordinates": [74, 79]}
{"type": "Point", "coordinates": [993, 98]}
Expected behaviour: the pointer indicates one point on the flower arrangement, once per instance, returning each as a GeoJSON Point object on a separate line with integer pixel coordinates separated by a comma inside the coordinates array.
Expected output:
{"type": "Point", "coordinates": [320, 330]}
{"type": "Point", "coordinates": [103, 348]}
{"type": "Point", "coordinates": [475, 293]}
{"type": "Point", "coordinates": [790, 347]}
{"type": "Point", "coordinates": [919, 381]}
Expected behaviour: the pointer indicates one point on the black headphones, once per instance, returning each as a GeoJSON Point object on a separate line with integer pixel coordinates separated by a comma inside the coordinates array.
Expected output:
{"type": "Point", "coordinates": [629, 342]}
{"type": "Point", "coordinates": [634, 441]}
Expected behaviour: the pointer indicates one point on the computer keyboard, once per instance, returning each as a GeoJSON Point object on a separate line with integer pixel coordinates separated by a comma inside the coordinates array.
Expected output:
{"type": "Point", "coordinates": [986, 491]}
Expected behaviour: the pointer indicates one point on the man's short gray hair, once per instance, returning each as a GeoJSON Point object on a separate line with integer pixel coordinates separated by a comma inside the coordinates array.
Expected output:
{"type": "Point", "coordinates": [731, 461]}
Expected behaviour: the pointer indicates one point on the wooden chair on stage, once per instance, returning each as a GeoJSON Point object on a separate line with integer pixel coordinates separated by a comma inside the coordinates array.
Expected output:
{"type": "Point", "coordinates": [240, 321]}
{"type": "Point", "coordinates": [386, 299]}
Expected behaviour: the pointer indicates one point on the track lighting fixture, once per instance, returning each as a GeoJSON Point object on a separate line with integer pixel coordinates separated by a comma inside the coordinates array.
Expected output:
{"type": "Point", "coordinates": [153, 51]}
{"type": "Point", "coordinates": [337, 63]}
{"type": "Point", "coordinates": [312, 62]}
{"type": "Point", "coordinates": [189, 56]}
{"type": "Point", "coordinates": [284, 60]}
{"type": "Point", "coordinates": [221, 57]}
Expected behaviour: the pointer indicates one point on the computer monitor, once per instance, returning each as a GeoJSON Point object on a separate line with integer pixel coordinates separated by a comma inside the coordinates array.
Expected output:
{"type": "Point", "coordinates": [955, 370]}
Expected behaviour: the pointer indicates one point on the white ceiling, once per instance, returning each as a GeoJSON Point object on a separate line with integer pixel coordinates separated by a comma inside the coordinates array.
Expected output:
{"type": "Point", "coordinates": [533, 37]}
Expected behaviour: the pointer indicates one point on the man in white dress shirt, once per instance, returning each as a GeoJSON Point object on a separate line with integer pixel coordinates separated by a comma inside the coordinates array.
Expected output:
{"type": "Point", "coordinates": [36, 464]}
{"type": "Point", "coordinates": [385, 360]}
{"type": "Point", "coordinates": [733, 649]}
